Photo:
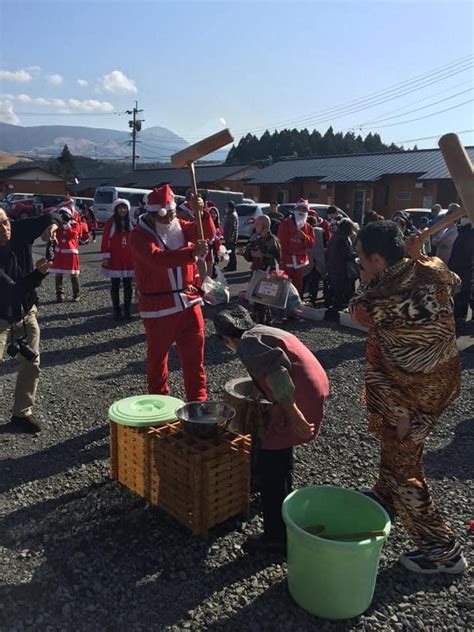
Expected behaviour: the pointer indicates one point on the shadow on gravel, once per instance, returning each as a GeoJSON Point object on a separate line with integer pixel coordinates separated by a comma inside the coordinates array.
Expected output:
{"type": "Point", "coordinates": [91, 325]}
{"type": "Point", "coordinates": [455, 459]}
{"type": "Point", "coordinates": [110, 558]}
{"type": "Point", "coordinates": [331, 358]}
{"type": "Point", "coordinates": [53, 460]}
{"type": "Point", "coordinates": [73, 314]}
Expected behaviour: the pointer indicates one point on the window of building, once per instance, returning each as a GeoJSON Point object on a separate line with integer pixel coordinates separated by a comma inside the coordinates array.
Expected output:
{"type": "Point", "coordinates": [403, 195]}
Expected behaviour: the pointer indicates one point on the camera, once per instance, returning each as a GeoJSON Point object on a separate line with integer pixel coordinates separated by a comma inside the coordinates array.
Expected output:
{"type": "Point", "coordinates": [20, 345]}
{"type": "Point", "coordinates": [50, 248]}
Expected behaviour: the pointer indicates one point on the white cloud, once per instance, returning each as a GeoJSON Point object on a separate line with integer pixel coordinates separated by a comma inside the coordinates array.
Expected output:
{"type": "Point", "coordinates": [20, 75]}
{"type": "Point", "coordinates": [91, 105]}
{"type": "Point", "coordinates": [58, 103]}
{"type": "Point", "coordinates": [34, 69]}
{"type": "Point", "coordinates": [41, 101]}
{"type": "Point", "coordinates": [116, 81]}
{"type": "Point", "coordinates": [83, 83]}
{"type": "Point", "coordinates": [24, 98]}
{"type": "Point", "coordinates": [7, 114]}
{"type": "Point", "coordinates": [55, 79]}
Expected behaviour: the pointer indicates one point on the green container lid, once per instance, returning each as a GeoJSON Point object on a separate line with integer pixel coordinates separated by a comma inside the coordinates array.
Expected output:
{"type": "Point", "coordinates": [144, 410]}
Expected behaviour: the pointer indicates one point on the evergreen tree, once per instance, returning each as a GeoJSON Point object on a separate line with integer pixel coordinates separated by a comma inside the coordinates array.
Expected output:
{"type": "Point", "coordinates": [66, 164]}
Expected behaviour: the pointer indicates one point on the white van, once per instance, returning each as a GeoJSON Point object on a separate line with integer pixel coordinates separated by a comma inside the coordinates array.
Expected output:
{"type": "Point", "coordinates": [105, 196]}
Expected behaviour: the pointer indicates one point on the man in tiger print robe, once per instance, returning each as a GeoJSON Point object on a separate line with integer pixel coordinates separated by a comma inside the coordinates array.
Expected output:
{"type": "Point", "coordinates": [412, 374]}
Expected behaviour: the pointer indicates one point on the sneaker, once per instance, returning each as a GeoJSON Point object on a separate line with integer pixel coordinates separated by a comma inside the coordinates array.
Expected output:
{"type": "Point", "coordinates": [416, 562]}
{"type": "Point", "coordinates": [262, 544]}
{"type": "Point", "coordinates": [75, 299]}
{"type": "Point", "coordinates": [26, 424]}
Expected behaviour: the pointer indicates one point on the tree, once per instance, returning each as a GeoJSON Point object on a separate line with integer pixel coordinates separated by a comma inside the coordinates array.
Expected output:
{"type": "Point", "coordinates": [66, 164]}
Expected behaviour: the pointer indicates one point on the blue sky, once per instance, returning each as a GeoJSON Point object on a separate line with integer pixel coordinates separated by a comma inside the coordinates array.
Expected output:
{"type": "Point", "coordinates": [256, 64]}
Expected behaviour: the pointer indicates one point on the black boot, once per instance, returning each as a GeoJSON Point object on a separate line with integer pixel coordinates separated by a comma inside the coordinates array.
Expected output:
{"type": "Point", "coordinates": [127, 297]}
{"type": "Point", "coordinates": [115, 294]}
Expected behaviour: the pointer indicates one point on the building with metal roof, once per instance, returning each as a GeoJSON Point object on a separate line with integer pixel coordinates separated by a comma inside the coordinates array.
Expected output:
{"type": "Point", "coordinates": [385, 182]}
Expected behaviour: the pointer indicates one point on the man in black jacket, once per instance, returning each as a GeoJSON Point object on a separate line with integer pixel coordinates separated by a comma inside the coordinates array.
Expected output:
{"type": "Point", "coordinates": [18, 299]}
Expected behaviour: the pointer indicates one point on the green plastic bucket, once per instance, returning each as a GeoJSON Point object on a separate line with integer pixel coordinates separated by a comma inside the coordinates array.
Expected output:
{"type": "Point", "coordinates": [333, 579]}
{"type": "Point", "coordinates": [140, 411]}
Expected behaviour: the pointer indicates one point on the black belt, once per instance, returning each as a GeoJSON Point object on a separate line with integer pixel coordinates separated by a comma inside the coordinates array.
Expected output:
{"type": "Point", "coordinates": [190, 288]}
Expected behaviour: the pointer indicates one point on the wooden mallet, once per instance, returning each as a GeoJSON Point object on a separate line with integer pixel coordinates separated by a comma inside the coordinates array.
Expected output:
{"type": "Point", "coordinates": [187, 157]}
{"type": "Point", "coordinates": [461, 171]}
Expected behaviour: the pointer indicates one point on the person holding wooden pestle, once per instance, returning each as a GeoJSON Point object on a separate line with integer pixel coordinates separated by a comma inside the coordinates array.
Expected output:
{"type": "Point", "coordinates": [412, 374]}
{"type": "Point", "coordinates": [287, 374]}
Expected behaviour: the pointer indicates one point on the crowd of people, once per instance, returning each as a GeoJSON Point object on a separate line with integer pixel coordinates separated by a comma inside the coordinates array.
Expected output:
{"type": "Point", "coordinates": [403, 296]}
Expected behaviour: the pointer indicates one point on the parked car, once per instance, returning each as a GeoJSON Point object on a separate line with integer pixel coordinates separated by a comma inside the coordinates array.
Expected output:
{"type": "Point", "coordinates": [89, 202]}
{"type": "Point", "coordinates": [33, 206]}
{"type": "Point", "coordinates": [11, 198]}
{"type": "Point", "coordinates": [417, 214]}
{"type": "Point", "coordinates": [248, 213]}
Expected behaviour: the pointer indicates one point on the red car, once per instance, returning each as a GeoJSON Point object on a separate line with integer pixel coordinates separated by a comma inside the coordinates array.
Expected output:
{"type": "Point", "coordinates": [31, 207]}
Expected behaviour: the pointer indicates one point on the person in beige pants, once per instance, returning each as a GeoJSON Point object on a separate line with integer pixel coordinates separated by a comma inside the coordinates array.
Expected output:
{"type": "Point", "coordinates": [18, 325]}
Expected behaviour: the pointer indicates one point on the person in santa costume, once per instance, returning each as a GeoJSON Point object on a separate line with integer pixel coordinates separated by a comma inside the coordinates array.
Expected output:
{"type": "Point", "coordinates": [117, 262]}
{"type": "Point", "coordinates": [69, 203]}
{"type": "Point", "coordinates": [66, 253]}
{"type": "Point", "coordinates": [164, 252]}
{"type": "Point", "coordinates": [296, 238]}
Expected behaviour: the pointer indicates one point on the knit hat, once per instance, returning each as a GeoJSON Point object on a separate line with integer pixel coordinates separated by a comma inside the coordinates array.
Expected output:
{"type": "Point", "coordinates": [303, 204]}
{"type": "Point", "coordinates": [161, 200]}
{"type": "Point", "coordinates": [119, 201]}
{"type": "Point", "coordinates": [233, 322]}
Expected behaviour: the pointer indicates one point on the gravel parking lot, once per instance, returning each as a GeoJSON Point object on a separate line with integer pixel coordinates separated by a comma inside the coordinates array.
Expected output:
{"type": "Point", "coordinates": [80, 552]}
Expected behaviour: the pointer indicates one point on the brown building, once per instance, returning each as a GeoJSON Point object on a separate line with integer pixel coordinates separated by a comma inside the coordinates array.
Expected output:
{"type": "Point", "coordinates": [385, 182]}
{"type": "Point", "coordinates": [26, 177]}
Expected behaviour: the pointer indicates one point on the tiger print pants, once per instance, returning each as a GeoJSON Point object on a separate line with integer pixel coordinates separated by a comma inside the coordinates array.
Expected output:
{"type": "Point", "coordinates": [402, 485]}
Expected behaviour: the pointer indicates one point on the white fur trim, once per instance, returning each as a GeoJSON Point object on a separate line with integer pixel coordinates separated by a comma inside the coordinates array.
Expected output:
{"type": "Point", "coordinates": [118, 201]}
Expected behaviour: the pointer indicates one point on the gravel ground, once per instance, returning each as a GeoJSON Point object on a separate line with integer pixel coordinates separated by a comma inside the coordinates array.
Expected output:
{"type": "Point", "coordinates": [80, 552]}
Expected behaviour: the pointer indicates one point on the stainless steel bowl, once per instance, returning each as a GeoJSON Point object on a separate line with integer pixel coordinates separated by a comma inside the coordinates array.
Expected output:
{"type": "Point", "coordinates": [203, 419]}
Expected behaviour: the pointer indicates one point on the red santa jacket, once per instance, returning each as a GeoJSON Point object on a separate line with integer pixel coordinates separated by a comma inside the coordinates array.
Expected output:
{"type": "Point", "coordinates": [293, 248]}
{"type": "Point", "coordinates": [167, 280]}
{"type": "Point", "coordinates": [66, 253]}
{"type": "Point", "coordinates": [115, 251]}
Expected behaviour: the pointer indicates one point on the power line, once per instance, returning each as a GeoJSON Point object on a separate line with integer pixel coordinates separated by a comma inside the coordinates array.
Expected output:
{"type": "Point", "coordinates": [414, 140]}
{"type": "Point", "coordinates": [381, 117]}
{"type": "Point", "coordinates": [420, 118]}
{"type": "Point", "coordinates": [376, 98]}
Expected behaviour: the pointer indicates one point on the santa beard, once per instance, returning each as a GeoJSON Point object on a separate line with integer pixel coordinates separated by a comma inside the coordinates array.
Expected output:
{"type": "Point", "coordinates": [300, 220]}
{"type": "Point", "coordinates": [171, 234]}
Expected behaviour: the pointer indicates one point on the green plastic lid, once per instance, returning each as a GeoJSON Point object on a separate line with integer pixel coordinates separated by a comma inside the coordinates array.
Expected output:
{"type": "Point", "coordinates": [144, 410]}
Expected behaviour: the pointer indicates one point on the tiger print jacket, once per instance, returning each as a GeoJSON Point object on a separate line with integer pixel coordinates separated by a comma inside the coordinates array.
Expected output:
{"type": "Point", "coordinates": [412, 361]}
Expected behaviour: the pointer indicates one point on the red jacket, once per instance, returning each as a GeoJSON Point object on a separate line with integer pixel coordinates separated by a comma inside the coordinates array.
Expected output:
{"type": "Point", "coordinates": [167, 280]}
{"type": "Point", "coordinates": [293, 248]}
{"type": "Point", "coordinates": [66, 253]}
{"type": "Point", "coordinates": [115, 250]}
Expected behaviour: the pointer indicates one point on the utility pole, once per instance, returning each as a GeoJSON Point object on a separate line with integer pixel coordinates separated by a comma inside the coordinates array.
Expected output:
{"type": "Point", "coordinates": [136, 125]}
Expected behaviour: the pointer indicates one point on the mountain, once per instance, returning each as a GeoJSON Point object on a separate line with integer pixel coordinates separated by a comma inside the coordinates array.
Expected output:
{"type": "Point", "coordinates": [154, 143]}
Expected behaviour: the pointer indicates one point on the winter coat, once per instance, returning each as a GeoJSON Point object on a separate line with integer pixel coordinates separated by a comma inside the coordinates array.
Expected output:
{"type": "Point", "coordinates": [231, 228]}
{"type": "Point", "coordinates": [167, 280]}
{"type": "Point", "coordinates": [18, 279]}
{"type": "Point", "coordinates": [66, 253]}
{"type": "Point", "coordinates": [115, 251]}
{"type": "Point", "coordinates": [295, 243]}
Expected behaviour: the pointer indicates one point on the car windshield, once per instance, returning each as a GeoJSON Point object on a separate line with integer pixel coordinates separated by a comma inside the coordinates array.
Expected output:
{"type": "Point", "coordinates": [245, 209]}
{"type": "Point", "coordinates": [103, 196]}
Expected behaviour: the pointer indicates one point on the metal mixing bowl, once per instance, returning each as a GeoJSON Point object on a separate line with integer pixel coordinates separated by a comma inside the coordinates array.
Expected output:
{"type": "Point", "coordinates": [203, 419]}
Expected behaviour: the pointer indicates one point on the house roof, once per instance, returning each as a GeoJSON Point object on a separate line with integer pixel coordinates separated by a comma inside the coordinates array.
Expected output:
{"type": "Point", "coordinates": [23, 166]}
{"type": "Point", "coordinates": [426, 164]}
{"type": "Point", "coordinates": [148, 178]}
{"type": "Point", "coordinates": [93, 183]}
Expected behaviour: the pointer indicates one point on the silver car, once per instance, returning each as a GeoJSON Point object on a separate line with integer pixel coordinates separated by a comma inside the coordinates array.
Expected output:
{"type": "Point", "coordinates": [248, 213]}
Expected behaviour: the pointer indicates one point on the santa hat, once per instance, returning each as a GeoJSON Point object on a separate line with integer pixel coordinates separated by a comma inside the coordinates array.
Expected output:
{"type": "Point", "coordinates": [210, 204]}
{"type": "Point", "coordinates": [68, 200]}
{"type": "Point", "coordinates": [302, 204]}
{"type": "Point", "coordinates": [312, 213]}
{"type": "Point", "coordinates": [161, 200]}
{"type": "Point", "coordinates": [119, 201]}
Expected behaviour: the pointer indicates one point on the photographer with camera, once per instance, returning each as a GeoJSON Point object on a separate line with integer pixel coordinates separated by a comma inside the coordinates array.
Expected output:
{"type": "Point", "coordinates": [19, 330]}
